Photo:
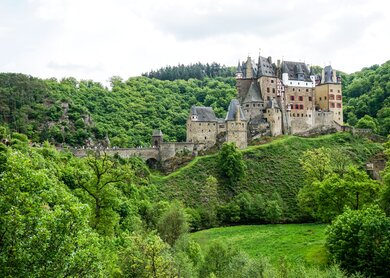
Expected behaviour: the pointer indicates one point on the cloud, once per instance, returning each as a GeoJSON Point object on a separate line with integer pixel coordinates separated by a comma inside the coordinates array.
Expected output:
{"type": "Point", "coordinates": [97, 39]}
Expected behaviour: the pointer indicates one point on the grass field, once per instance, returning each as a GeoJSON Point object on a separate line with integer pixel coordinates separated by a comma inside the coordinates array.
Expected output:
{"type": "Point", "coordinates": [296, 242]}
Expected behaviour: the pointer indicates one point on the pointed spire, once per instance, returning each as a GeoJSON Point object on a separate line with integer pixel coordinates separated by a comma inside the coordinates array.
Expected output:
{"type": "Point", "coordinates": [239, 69]}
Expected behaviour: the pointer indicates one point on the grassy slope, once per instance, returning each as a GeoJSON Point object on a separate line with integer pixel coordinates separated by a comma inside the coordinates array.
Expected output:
{"type": "Point", "coordinates": [272, 167]}
{"type": "Point", "coordinates": [295, 242]}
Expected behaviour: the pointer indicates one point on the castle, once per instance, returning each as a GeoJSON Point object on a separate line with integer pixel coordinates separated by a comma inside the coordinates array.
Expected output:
{"type": "Point", "coordinates": [272, 99]}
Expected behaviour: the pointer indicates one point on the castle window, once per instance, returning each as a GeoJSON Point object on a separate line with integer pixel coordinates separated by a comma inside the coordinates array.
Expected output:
{"type": "Point", "coordinates": [291, 97]}
{"type": "Point", "coordinates": [331, 105]}
{"type": "Point", "coordinates": [247, 105]}
{"type": "Point", "coordinates": [267, 90]}
{"type": "Point", "coordinates": [293, 89]}
{"type": "Point", "coordinates": [272, 81]}
{"type": "Point", "coordinates": [221, 126]}
{"type": "Point", "coordinates": [293, 114]}
{"type": "Point", "coordinates": [310, 98]}
{"type": "Point", "coordinates": [338, 91]}
{"type": "Point", "coordinates": [338, 97]}
{"type": "Point", "coordinates": [309, 115]}
{"type": "Point", "coordinates": [296, 106]}
{"type": "Point", "coordinates": [301, 106]}
{"type": "Point", "coordinates": [298, 83]}
{"type": "Point", "coordinates": [338, 105]}
{"type": "Point", "coordinates": [300, 98]}
{"type": "Point", "coordinates": [306, 83]}
{"type": "Point", "coordinates": [331, 97]}
{"type": "Point", "coordinates": [299, 90]}
{"type": "Point", "coordinates": [320, 98]}
{"type": "Point", "coordinates": [200, 124]}
{"type": "Point", "coordinates": [254, 105]}
{"type": "Point", "coordinates": [290, 83]}
{"type": "Point", "coordinates": [324, 98]}
{"type": "Point", "coordinates": [331, 90]}
{"type": "Point", "coordinates": [302, 114]}
{"type": "Point", "coordinates": [298, 115]}
{"type": "Point", "coordinates": [273, 90]}
{"type": "Point", "coordinates": [205, 137]}
{"type": "Point", "coordinates": [307, 89]}
{"type": "Point", "coordinates": [268, 98]}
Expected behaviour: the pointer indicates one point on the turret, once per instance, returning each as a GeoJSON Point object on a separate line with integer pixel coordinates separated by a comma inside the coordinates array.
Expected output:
{"type": "Point", "coordinates": [239, 73]}
{"type": "Point", "coordinates": [157, 138]}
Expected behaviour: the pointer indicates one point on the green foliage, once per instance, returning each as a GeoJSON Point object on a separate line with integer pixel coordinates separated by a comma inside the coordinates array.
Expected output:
{"type": "Point", "coordinates": [145, 256]}
{"type": "Point", "coordinates": [272, 168]}
{"type": "Point", "coordinates": [332, 184]}
{"type": "Point", "coordinates": [368, 122]}
{"type": "Point", "coordinates": [316, 164]}
{"type": "Point", "coordinates": [231, 162]}
{"type": "Point", "coordinates": [198, 71]}
{"type": "Point", "coordinates": [44, 229]}
{"type": "Point", "coordinates": [173, 224]}
{"type": "Point", "coordinates": [367, 92]}
{"type": "Point", "coordinates": [360, 242]}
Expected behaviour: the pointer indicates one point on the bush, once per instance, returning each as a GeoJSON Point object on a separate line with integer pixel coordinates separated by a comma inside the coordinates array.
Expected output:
{"type": "Point", "coordinates": [360, 241]}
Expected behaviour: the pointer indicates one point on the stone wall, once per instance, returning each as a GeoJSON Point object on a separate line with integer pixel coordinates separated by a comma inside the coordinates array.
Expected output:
{"type": "Point", "coordinates": [268, 87]}
{"type": "Point", "coordinates": [202, 132]}
{"type": "Point", "coordinates": [322, 118]}
{"type": "Point", "coordinates": [145, 153]}
{"type": "Point", "coordinates": [237, 132]}
{"type": "Point", "coordinates": [274, 118]}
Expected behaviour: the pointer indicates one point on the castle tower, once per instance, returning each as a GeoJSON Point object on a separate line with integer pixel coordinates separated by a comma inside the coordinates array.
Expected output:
{"type": "Point", "coordinates": [329, 94]}
{"type": "Point", "coordinates": [157, 138]}
{"type": "Point", "coordinates": [236, 125]}
{"type": "Point", "coordinates": [273, 114]}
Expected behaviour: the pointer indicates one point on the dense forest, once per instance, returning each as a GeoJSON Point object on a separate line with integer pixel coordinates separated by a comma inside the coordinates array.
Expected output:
{"type": "Point", "coordinates": [192, 71]}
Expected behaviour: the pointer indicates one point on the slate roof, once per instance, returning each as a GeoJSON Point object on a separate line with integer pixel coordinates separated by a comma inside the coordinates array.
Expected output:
{"type": "Point", "coordinates": [252, 66]}
{"type": "Point", "coordinates": [294, 68]}
{"type": "Point", "coordinates": [253, 94]}
{"type": "Point", "coordinates": [265, 67]}
{"type": "Point", "coordinates": [328, 74]}
{"type": "Point", "coordinates": [231, 114]}
{"type": "Point", "coordinates": [205, 114]}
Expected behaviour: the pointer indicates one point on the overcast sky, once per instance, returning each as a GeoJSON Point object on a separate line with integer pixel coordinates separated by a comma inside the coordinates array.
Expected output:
{"type": "Point", "coordinates": [97, 39]}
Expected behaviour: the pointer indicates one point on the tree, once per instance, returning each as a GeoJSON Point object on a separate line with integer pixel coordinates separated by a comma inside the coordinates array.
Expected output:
{"type": "Point", "coordinates": [44, 230]}
{"type": "Point", "coordinates": [368, 122]}
{"type": "Point", "coordinates": [231, 163]}
{"type": "Point", "coordinates": [145, 256]}
{"type": "Point", "coordinates": [173, 224]}
{"type": "Point", "coordinates": [95, 181]}
{"type": "Point", "coordinates": [317, 164]}
{"type": "Point", "coordinates": [326, 199]}
{"type": "Point", "coordinates": [360, 242]}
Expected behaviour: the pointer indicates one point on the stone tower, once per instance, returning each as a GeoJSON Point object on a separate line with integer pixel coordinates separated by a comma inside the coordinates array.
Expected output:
{"type": "Point", "coordinates": [157, 138]}
{"type": "Point", "coordinates": [236, 125]}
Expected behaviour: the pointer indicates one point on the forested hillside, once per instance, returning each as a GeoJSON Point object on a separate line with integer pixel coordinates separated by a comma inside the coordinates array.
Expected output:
{"type": "Point", "coordinates": [367, 97]}
{"type": "Point", "coordinates": [77, 112]}
{"type": "Point", "coordinates": [71, 111]}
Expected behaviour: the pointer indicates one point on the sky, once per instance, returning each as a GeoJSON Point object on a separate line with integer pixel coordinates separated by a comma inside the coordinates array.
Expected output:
{"type": "Point", "coordinates": [98, 39]}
